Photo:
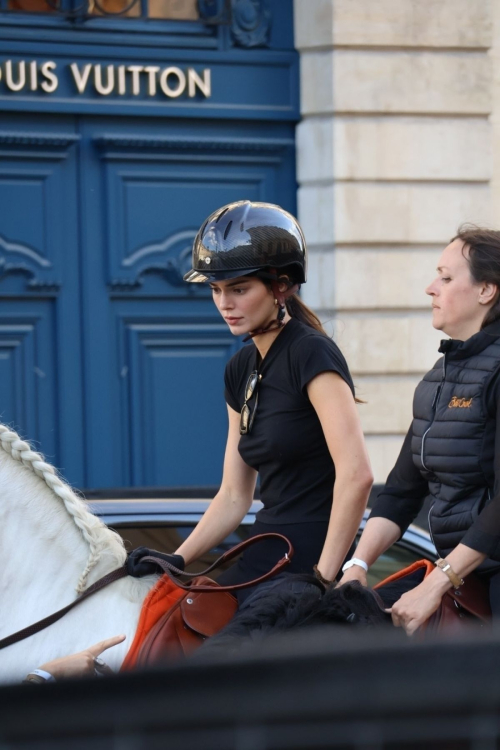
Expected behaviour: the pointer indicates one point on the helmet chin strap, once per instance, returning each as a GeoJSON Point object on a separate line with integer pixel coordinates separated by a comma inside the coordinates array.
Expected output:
{"type": "Point", "coordinates": [280, 298]}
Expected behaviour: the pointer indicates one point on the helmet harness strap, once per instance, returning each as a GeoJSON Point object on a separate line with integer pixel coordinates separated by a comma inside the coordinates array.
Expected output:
{"type": "Point", "coordinates": [279, 296]}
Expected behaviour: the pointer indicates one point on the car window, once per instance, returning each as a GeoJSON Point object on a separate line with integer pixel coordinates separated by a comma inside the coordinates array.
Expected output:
{"type": "Point", "coordinates": [168, 537]}
{"type": "Point", "coordinates": [396, 558]}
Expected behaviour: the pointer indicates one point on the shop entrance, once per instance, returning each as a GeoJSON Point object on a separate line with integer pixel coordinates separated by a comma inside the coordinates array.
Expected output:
{"type": "Point", "coordinates": [107, 358]}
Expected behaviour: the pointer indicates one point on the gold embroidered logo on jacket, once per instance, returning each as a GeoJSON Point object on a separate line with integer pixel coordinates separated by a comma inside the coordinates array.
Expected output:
{"type": "Point", "coordinates": [460, 403]}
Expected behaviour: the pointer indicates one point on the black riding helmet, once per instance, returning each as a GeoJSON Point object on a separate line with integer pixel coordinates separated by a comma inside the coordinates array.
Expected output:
{"type": "Point", "coordinates": [244, 237]}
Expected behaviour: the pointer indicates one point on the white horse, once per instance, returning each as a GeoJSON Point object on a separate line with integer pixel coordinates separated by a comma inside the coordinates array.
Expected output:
{"type": "Point", "coordinates": [52, 548]}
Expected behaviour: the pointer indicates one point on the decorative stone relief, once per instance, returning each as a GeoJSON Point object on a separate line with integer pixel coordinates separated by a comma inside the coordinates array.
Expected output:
{"type": "Point", "coordinates": [250, 23]}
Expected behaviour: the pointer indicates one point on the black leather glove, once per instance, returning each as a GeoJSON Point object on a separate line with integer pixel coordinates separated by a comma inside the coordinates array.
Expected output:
{"type": "Point", "coordinates": [137, 568]}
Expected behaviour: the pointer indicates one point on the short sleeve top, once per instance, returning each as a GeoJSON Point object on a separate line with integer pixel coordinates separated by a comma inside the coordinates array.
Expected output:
{"type": "Point", "coordinates": [287, 445]}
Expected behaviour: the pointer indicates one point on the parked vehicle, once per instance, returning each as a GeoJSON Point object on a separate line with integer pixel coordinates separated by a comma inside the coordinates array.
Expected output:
{"type": "Point", "coordinates": [163, 524]}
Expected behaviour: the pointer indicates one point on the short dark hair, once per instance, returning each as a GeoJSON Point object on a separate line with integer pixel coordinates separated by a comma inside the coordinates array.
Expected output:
{"type": "Point", "coordinates": [484, 260]}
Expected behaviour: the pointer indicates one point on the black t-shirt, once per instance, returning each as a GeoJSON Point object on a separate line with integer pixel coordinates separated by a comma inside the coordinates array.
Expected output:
{"type": "Point", "coordinates": [286, 445]}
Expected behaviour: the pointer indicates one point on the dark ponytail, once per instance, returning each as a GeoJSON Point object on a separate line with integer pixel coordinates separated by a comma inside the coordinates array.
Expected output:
{"type": "Point", "coordinates": [297, 309]}
{"type": "Point", "coordinates": [484, 261]}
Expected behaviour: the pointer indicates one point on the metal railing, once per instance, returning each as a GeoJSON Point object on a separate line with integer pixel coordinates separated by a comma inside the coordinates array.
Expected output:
{"type": "Point", "coordinates": [211, 12]}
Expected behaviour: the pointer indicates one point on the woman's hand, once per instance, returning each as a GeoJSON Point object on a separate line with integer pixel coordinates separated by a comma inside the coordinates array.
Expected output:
{"type": "Point", "coordinates": [417, 605]}
{"type": "Point", "coordinates": [354, 573]}
{"type": "Point", "coordinates": [80, 664]}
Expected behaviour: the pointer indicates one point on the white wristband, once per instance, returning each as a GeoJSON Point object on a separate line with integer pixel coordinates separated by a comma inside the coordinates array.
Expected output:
{"type": "Point", "coordinates": [355, 561]}
{"type": "Point", "coordinates": [45, 675]}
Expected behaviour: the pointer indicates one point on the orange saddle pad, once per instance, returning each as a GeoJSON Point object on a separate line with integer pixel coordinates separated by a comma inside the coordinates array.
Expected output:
{"type": "Point", "coordinates": [175, 621]}
{"type": "Point", "coordinates": [162, 597]}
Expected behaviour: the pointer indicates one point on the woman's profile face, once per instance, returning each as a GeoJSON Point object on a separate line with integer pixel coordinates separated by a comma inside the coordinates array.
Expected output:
{"type": "Point", "coordinates": [457, 309]}
{"type": "Point", "coordinates": [245, 303]}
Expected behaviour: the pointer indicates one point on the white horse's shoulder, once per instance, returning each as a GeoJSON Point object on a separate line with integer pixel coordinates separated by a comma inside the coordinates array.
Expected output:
{"type": "Point", "coordinates": [52, 548]}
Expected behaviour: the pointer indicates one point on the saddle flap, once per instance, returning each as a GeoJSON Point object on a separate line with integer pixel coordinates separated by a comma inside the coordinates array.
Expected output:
{"type": "Point", "coordinates": [474, 597]}
{"type": "Point", "coordinates": [205, 612]}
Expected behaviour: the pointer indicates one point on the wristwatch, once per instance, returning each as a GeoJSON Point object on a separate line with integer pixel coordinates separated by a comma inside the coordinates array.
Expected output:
{"type": "Point", "coordinates": [38, 677]}
{"type": "Point", "coordinates": [445, 566]}
{"type": "Point", "coordinates": [355, 561]}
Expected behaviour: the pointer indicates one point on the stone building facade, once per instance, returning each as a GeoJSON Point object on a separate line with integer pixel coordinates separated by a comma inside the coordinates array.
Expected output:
{"type": "Point", "coordinates": [399, 144]}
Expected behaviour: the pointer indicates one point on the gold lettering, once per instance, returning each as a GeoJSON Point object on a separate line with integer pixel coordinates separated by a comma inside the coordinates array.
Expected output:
{"type": "Point", "coordinates": [52, 81]}
{"type": "Point", "coordinates": [204, 84]}
{"type": "Point", "coordinates": [172, 81]}
{"type": "Point", "coordinates": [122, 88]}
{"type": "Point", "coordinates": [460, 403]}
{"type": "Point", "coordinates": [21, 76]}
{"type": "Point", "coordinates": [136, 85]}
{"type": "Point", "coordinates": [33, 76]}
{"type": "Point", "coordinates": [181, 78]}
{"type": "Point", "coordinates": [151, 70]}
{"type": "Point", "coordinates": [80, 78]}
{"type": "Point", "coordinates": [99, 86]}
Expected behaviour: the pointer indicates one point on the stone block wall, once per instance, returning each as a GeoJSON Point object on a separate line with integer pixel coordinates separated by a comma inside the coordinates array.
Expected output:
{"type": "Point", "coordinates": [397, 147]}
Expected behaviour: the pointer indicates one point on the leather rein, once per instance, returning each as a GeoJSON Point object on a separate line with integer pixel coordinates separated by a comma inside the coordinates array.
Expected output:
{"type": "Point", "coordinates": [9, 640]}
{"type": "Point", "coordinates": [169, 570]}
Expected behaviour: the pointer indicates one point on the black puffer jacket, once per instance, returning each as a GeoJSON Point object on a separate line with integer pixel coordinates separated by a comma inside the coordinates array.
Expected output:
{"type": "Point", "coordinates": [454, 435]}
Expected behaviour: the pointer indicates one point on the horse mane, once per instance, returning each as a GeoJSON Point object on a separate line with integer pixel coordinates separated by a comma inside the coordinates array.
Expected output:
{"type": "Point", "coordinates": [99, 538]}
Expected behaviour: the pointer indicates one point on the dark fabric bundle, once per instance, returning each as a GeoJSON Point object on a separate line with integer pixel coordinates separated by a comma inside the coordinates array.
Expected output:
{"type": "Point", "coordinates": [294, 601]}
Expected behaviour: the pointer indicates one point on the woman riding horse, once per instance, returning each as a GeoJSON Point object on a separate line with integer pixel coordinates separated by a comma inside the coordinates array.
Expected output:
{"type": "Point", "coordinates": [451, 454]}
{"type": "Point", "coordinates": [290, 400]}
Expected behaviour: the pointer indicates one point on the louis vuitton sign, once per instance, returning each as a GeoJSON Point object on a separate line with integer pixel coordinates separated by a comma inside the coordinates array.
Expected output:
{"type": "Point", "coordinates": [44, 77]}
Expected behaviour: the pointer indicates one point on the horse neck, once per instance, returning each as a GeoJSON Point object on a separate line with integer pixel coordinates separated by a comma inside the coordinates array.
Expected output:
{"type": "Point", "coordinates": [44, 554]}
{"type": "Point", "coordinates": [39, 537]}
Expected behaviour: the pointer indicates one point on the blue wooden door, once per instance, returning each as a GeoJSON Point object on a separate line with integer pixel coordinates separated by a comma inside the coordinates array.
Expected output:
{"type": "Point", "coordinates": [155, 347]}
{"type": "Point", "coordinates": [40, 324]}
{"type": "Point", "coordinates": [107, 358]}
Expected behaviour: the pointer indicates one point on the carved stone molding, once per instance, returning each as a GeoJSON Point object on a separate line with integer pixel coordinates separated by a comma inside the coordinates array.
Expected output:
{"type": "Point", "coordinates": [15, 257]}
{"type": "Point", "coordinates": [250, 23]}
{"type": "Point", "coordinates": [110, 141]}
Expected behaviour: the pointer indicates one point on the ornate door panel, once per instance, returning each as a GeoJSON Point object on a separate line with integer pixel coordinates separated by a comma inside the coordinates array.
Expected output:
{"type": "Point", "coordinates": [155, 347]}
{"type": "Point", "coordinates": [107, 358]}
{"type": "Point", "coordinates": [172, 397]}
{"type": "Point", "coordinates": [40, 385]}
